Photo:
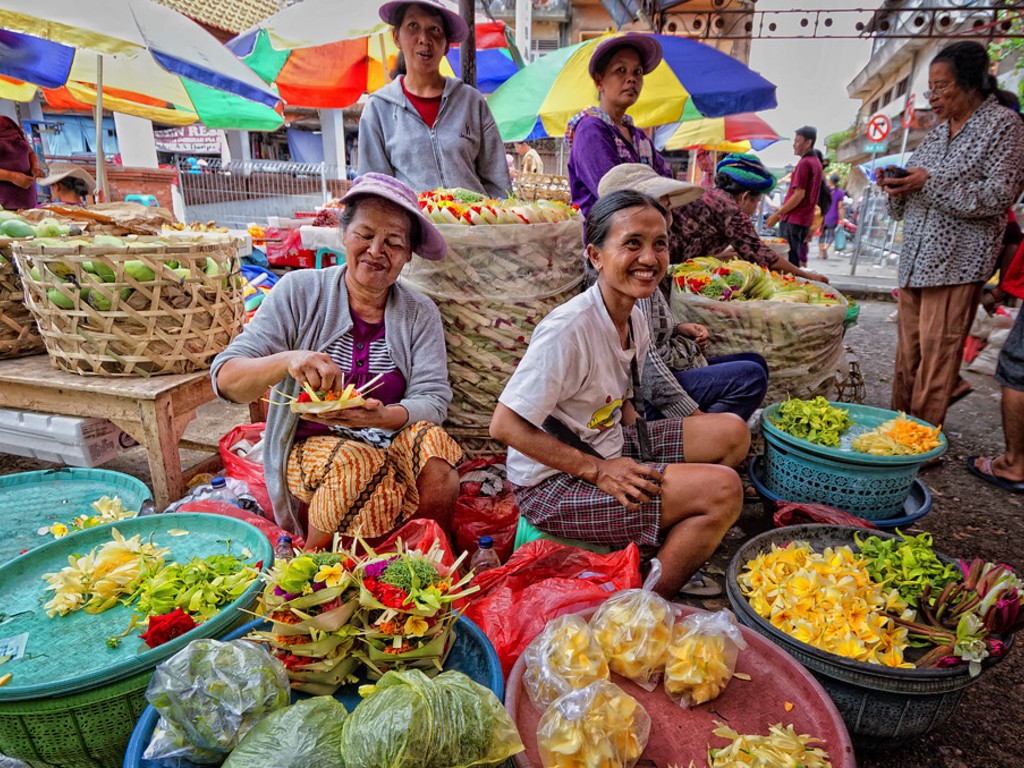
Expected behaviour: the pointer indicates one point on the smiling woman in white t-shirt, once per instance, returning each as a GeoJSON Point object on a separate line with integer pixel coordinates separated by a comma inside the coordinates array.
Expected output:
{"type": "Point", "coordinates": [567, 416]}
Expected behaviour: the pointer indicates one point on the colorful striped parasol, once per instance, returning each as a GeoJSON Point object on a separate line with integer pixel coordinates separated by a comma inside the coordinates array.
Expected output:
{"type": "Point", "coordinates": [692, 81]}
{"type": "Point", "coordinates": [732, 133]}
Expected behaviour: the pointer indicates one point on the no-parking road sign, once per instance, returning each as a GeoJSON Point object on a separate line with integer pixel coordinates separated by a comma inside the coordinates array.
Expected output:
{"type": "Point", "coordinates": [878, 128]}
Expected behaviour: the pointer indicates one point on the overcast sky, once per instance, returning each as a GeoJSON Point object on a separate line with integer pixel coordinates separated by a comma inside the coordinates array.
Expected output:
{"type": "Point", "coordinates": [811, 76]}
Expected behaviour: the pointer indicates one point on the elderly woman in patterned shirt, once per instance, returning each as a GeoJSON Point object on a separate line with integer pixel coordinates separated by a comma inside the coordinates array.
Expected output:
{"type": "Point", "coordinates": [952, 198]}
{"type": "Point", "coordinates": [721, 219]}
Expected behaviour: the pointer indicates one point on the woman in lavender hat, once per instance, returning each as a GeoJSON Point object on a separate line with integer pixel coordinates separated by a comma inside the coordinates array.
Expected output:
{"type": "Point", "coordinates": [426, 129]}
{"type": "Point", "coordinates": [370, 468]}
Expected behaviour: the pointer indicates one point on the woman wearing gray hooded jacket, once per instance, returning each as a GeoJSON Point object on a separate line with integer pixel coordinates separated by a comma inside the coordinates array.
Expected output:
{"type": "Point", "coordinates": [424, 129]}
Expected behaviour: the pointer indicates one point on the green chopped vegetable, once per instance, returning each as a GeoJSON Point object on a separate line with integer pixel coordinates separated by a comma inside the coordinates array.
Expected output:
{"type": "Point", "coordinates": [305, 735]}
{"type": "Point", "coordinates": [816, 420]}
{"type": "Point", "coordinates": [408, 720]}
{"type": "Point", "coordinates": [908, 563]}
{"type": "Point", "coordinates": [402, 572]}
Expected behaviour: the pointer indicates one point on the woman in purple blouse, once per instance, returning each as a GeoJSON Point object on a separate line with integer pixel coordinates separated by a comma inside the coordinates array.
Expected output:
{"type": "Point", "coordinates": [599, 138]}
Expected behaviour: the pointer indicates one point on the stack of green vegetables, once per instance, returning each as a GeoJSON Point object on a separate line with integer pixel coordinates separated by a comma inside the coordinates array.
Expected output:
{"type": "Point", "coordinates": [817, 420]}
{"type": "Point", "coordinates": [740, 280]}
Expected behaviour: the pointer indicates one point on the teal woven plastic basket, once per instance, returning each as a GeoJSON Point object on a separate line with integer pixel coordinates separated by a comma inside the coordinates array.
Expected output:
{"type": "Point", "coordinates": [32, 500]}
{"type": "Point", "coordinates": [872, 487]}
{"type": "Point", "coordinates": [72, 700]}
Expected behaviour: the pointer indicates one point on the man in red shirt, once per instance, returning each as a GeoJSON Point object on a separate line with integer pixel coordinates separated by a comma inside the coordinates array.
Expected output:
{"type": "Point", "coordinates": [797, 211]}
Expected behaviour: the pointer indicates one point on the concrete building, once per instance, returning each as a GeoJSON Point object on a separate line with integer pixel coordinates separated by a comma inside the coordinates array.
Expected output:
{"type": "Point", "coordinates": [904, 42]}
{"type": "Point", "coordinates": [557, 23]}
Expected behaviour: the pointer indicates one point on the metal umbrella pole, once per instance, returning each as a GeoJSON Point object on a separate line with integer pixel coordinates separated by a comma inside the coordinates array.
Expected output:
{"type": "Point", "coordinates": [101, 159]}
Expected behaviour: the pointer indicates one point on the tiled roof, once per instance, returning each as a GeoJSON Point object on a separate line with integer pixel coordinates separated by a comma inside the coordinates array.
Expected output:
{"type": "Point", "coordinates": [233, 16]}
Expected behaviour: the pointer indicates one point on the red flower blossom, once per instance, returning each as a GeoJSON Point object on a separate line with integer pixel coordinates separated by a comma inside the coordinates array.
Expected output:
{"type": "Point", "coordinates": [165, 628]}
{"type": "Point", "coordinates": [389, 595]}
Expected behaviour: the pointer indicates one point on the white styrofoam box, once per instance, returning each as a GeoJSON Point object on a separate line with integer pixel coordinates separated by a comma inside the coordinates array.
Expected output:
{"type": "Point", "coordinates": [61, 439]}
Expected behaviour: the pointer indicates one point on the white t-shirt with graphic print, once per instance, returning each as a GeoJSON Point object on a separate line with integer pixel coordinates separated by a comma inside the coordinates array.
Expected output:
{"type": "Point", "coordinates": [575, 370]}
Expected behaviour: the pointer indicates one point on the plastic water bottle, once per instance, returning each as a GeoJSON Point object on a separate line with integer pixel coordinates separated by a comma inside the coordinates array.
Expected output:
{"type": "Point", "coordinates": [283, 549]}
{"type": "Point", "coordinates": [485, 557]}
{"type": "Point", "coordinates": [219, 491]}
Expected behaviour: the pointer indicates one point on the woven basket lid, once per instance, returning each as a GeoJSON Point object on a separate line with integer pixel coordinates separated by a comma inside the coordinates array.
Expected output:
{"type": "Point", "coordinates": [68, 654]}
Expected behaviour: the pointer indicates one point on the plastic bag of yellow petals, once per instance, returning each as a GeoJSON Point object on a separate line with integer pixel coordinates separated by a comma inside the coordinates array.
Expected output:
{"type": "Point", "coordinates": [563, 657]}
{"type": "Point", "coordinates": [701, 657]}
{"type": "Point", "coordinates": [632, 627]}
{"type": "Point", "coordinates": [600, 726]}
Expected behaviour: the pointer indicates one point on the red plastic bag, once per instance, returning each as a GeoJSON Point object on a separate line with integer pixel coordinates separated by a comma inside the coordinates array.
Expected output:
{"type": "Point", "coordinates": [476, 515]}
{"type": "Point", "coordinates": [270, 529]}
{"type": "Point", "coordinates": [543, 580]}
{"type": "Point", "coordinates": [250, 472]}
{"type": "Point", "coordinates": [419, 535]}
{"type": "Point", "coordinates": [798, 513]}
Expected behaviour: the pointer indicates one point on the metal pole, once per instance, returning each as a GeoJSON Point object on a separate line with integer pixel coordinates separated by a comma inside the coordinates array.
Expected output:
{"type": "Point", "coordinates": [524, 29]}
{"type": "Point", "coordinates": [101, 160]}
{"type": "Point", "coordinates": [467, 49]}
{"type": "Point", "coordinates": [862, 218]}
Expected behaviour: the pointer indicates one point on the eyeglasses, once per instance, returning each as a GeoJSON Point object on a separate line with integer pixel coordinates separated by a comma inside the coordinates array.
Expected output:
{"type": "Point", "coordinates": [939, 90]}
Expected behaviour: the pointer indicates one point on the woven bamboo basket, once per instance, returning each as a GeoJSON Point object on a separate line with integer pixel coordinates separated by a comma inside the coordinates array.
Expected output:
{"type": "Point", "coordinates": [18, 333]}
{"type": "Point", "coordinates": [494, 286]}
{"type": "Point", "coordinates": [144, 308]}
{"type": "Point", "coordinates": [542, 186]}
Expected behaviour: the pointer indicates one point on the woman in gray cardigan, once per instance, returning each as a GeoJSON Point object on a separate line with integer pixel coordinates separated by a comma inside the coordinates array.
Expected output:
{"type": "Point", "coordinates": [370, 468]}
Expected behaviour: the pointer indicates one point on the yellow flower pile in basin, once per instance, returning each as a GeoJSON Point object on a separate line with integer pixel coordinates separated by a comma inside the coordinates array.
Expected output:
{"type": "Point", "coordinates": [632, 627]}
{"type": "Point", "coordinates": [827, 600]}
{"type": "Point", "coordinates": [783, 747]}
{"type": "Point", "coordinates": [701, 657]}
{"type": "Point", "coordinates": [563, 657]}
{"type": "Point", "coordinates": [600, 726]}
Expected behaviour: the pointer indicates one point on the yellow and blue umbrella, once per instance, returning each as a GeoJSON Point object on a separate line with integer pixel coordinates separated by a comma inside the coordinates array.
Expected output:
{"type": "Point", "coordinates": [693, 80]}
{"type": "Point", "coordinates": [158, 63]}
{"type": "Point", "coordinates": [732, 133]}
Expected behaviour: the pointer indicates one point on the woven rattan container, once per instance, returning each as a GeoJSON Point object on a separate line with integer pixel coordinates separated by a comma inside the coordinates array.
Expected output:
{"type": "Point", "coordinates": [148, 306]}
{"type": "Point", "coordinates": [18, 333]}
{"type": "Point", "coordinates": [496, 283]}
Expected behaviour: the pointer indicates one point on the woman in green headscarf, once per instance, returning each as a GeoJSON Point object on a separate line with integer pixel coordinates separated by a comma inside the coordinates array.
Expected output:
{"type": "Point", "coordinates": [721, 218]}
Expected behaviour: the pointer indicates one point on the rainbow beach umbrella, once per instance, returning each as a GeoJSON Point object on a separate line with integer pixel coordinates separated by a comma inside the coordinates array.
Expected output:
{"type": "Point", "coordinates": [330, 67]}
{"type": "Point", "coordinates": [692, 81]}
{"type": "Point", "coordinates": [154, 62]}
{"type": "Point", "coordinates": [732, 133]}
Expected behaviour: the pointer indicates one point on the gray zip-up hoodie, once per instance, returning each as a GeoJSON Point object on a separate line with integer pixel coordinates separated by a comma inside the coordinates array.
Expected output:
{"type": "Point", "coordinates": [463, 149]}
{"type": "Point", "coordinates": [309, 309]}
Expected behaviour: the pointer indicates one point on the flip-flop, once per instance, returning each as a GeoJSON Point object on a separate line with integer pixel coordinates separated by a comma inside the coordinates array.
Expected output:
{"type": "Point", "coordinates": [701, 585]}
{"type": "Point", "coordinates": [986, 473]}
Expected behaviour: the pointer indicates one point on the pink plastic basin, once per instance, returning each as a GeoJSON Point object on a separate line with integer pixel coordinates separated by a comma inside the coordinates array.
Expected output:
{"type": "Point", "coordinates": [679, 735]}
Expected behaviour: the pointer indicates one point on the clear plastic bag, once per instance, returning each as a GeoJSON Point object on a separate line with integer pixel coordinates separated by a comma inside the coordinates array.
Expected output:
{"type": "Point", "coordinates": [562, 658]}
{"type": "Point", "coordinates": [407, 720]}
{"type": "Point", "coordinates": [701, 657]}
{"type": "Point", "coordinates": [600, 726]}
{"type": "Point", "coordinates": [632, 627]}
{"type": "Point", "coordinates": [304, 735]}
{"type": "Point", "coordinates": [209, 695]}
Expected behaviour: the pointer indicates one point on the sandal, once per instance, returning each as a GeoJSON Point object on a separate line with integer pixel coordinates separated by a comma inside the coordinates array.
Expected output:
{"type": "Point", "coordinates": [962, 390]}
{"type": "Point", "coordinates": [986, 473]}
{"type": "Point", "coordinates": [701, 585]}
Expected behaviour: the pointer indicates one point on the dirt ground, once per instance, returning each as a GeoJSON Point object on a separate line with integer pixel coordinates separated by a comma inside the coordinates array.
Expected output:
{"type": "Point", "coordinates": [970, 519]}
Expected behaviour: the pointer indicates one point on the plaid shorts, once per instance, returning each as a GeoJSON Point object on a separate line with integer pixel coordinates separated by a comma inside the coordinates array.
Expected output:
{"type": "Point", "coordinates": [571, 508]}
{"type": "Point", "coordinates": [1010, 368]}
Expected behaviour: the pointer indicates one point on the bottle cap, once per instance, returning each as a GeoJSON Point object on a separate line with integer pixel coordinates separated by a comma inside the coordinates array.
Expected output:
{"type": "Point", "coordinates": [284, 539]}
{"type": "Point", "coordinates": [485, 542]}
{"type": "Point", "coordinates": [218, 482]}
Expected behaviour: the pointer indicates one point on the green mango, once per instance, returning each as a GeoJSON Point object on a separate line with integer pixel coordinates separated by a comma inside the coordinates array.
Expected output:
{"type": "Point", "coordinates": [98, 301]}
{"type": "Point", "coordinates": [34, 274]}
{"type": "Point", "coordinates": [60, 269]}
{"type": "Point", "coordinates": [59, 299]}
{"type": "Point", "coordinates": [9, 216]}
{"type": "Point", "coordinates": [172, 264]}
{"type": "Point", "coordinates": [108, 241]}
{"type": "Point", "coordinates": [17, 228]}
{"type": "Point", "coordinates": [182, 272]}
{"type": "Point", "coordinates": [101, 270]}
{"type": "Point", "coordinates": [139, 271]}
{"type": "Point", "coordinates": [50, 227]}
